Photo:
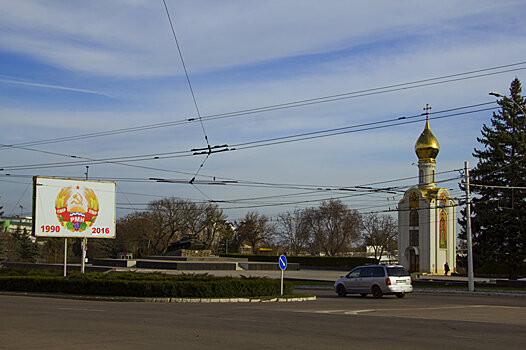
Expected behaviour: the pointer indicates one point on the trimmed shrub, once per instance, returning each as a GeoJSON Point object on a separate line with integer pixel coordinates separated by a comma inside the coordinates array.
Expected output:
{"type": "Point", "coordinates": [146, 285]}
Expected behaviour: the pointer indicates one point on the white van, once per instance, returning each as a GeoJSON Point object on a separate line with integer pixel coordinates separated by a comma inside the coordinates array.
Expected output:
{"type": "Point", "coordinates": [376, 280]}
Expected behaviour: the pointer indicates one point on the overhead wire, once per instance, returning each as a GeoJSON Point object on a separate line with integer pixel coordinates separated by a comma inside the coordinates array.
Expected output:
{"type": "Point", "coordinates": [193, 97]}
{"type": "Point", "coordinates": [292, 104]}
{"type": "Point", "coordinates": [260, 143]}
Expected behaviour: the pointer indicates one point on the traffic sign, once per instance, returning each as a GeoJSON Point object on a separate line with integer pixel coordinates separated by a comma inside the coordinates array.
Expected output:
{"type": "Point", "coordinates": [282, 262]}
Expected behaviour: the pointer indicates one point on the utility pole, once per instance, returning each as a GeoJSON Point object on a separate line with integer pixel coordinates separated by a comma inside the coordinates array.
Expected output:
{"type": "Point", "coordinates": [471, 284]}
{"type": "Point", "coordinates": [84, 243]}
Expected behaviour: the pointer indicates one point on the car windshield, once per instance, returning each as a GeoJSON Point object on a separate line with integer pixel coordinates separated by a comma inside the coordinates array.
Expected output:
{"type": "Point", "coordinates": [397, 271]}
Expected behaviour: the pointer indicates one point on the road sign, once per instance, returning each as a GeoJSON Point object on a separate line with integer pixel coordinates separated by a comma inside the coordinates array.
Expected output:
{"type": "Point", "coordinates": [282, 262]}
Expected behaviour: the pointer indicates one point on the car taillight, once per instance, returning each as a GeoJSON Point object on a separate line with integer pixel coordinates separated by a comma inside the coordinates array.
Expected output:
{"type": "Point", "coordinates": [411, 280]}
{"type": "Point", "coordinates": [387, 281]}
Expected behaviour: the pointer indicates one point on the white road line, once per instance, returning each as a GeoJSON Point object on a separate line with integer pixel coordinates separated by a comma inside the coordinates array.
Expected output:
{"type": "Point", "coordinates": [356, 312]}
{"type": "Point", "coordinates": [328, 311]}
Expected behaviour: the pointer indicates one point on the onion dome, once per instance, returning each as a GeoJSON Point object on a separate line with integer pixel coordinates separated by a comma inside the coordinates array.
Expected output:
{"type": "Point", "coordinates": [426, 146]}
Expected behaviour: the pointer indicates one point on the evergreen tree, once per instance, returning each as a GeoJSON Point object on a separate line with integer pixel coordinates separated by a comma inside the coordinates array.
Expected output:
{"type": "Point", "coordinates": [27, 251]}
{"type": "Point", "coordinates": [499, 214]}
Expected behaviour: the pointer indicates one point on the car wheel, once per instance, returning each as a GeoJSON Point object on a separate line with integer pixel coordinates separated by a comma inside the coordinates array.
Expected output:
{"type": "Point", "coordinates": [400, 295]}
{"type": "Point", "coordinates": [377, 292]}
{"type": "Point", "coordinates": [363, 295]}
{"type": "Point", "coordinates": [341, 290]}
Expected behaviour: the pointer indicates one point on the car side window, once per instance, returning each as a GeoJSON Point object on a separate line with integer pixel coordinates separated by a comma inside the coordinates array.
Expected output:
{"type": "Point", "coordinates": [378, 272]}
{"type": "Point", "coordinates": [366, 272]}
{"type": "Point", "coordinates": [354, 273]}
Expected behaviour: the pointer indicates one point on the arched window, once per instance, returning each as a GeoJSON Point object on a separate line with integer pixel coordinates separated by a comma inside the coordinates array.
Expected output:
{"type": "Point", "coordinates": [413, 218]}
{"type": "Point", "coordinates": [421, 176]}
{"type": "Point", "coordinates": [433, 176]}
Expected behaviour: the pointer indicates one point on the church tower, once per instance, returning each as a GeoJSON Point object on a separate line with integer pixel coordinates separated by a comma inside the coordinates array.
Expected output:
{"type": "Point", "coordinates": [426, 215]}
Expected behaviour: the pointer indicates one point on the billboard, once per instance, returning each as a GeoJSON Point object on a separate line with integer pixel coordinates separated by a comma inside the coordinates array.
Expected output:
{"type": "Point", "coordinates": [73, 208]}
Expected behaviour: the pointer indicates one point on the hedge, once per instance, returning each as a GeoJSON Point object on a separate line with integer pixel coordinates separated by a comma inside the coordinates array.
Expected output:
{"type": "Point", "coordinates": [147, 285]}
{"type": "Point", "coordinates": [310, 261]}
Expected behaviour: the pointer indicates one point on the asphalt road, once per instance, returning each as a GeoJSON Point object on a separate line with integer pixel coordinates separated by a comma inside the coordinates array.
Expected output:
{"type": "Point", "coordinates": [418, 321]}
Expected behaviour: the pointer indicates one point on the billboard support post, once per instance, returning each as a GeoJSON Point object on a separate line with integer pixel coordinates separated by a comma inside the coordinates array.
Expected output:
{"type": "Point", "coordinates": [83, 247]}
{"type": "Point", "coordinates": [65, 256]}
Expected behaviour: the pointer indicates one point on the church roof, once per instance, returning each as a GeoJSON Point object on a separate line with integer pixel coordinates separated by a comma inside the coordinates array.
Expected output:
{"type": "Point", "coordinates": [429, 194]}
{"type": "Point", "coordinates": [426, 146]}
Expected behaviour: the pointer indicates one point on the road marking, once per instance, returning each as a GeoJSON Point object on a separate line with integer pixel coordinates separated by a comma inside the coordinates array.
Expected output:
{"type": "Point", "coordinates": [327, 311]}
{"type": "Point", "coordinates": [356, 312]}
{"type": "Point", "coordinates": [79, 309]}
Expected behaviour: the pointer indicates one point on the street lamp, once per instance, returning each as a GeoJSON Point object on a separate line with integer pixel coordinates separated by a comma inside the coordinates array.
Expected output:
{"type": "Point", "coordinates": [496, 94]}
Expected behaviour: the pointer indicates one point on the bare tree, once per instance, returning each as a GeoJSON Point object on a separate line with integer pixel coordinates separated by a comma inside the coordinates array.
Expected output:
{"type": "Point", "coordinates": [167, 217]}
{"type": "Point", "coordinates": [166, 221]}
{"type": "Point", "coordinates": [253, 229]}
{"type": "Point", "coordinates": [209, 225]}
{"type": "Point", "coordinates": [334, 226]}
{"type": "Point", "coordinates": [293, 231]}
{"type": "Point", "coordinates": [381, 233]}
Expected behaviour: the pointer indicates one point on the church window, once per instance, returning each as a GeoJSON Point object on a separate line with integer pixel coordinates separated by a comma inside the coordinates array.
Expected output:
{"type": "Point", "coordinates": [414, 218]}
{"type": "Point", "coordinates": [421, 176]}
{"type": "Point", "coordinates": [414, 200]}
{"type": "Point", "coordinates": [413, 238]}
{"type": "Point", "coordinates": [443, 230]}
{"type": "Point", "coordinates": [433, 176]}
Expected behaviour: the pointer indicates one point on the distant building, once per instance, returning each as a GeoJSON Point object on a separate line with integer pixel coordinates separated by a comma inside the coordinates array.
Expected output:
{"type": "Point", "coordinates": [426, 216]}
{"type": "Point", "coordinates": [13, 224]}
{"type": "Point", "coordinates": [386, 258]}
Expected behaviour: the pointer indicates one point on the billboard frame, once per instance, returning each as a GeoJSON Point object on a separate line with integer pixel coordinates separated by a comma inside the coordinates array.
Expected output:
{"type": "Point", "coordinates": [111, 228]}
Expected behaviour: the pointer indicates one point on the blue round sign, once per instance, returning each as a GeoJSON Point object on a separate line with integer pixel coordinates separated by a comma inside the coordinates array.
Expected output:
{"type": "Point", "coordinates": [282, 262]}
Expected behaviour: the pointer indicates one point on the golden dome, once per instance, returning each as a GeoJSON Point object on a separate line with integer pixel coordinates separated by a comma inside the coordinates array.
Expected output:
{"type": "Point", "coordinates": [426, 146]}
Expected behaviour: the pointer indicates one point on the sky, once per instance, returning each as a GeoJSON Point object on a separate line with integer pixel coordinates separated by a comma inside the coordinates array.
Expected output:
{"type": "Point", "coordinates": [102, 82]}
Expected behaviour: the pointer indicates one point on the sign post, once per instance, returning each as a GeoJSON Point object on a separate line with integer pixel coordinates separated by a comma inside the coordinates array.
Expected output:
{"type": "Point", "coordinates": [65, 256]}
{"type": "Point", "coordinates": [282, 266]}
{"type": "Point", "coordinates": [84, 247]}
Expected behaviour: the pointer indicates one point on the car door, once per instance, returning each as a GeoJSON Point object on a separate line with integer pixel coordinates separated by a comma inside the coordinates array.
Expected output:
{"type": "Point", "coordinates": [352, 281]}
{"type": "Point", "coordinates": [366, 277]}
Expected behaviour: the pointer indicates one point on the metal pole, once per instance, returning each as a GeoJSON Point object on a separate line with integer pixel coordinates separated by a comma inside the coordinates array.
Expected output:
{"type": "Point", "coordinates": [471, 284]}
{"type": "Point", "coordinates": [281, 282]}
{"type": "Point", "coordinates": [65, 255]}
{"type": "Point", "coordinates": [84, 242]}
{"type": "Point", "coordinates": [83, 245]}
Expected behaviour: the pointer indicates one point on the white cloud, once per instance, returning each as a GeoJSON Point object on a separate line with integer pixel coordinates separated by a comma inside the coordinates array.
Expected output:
{"type": "Point", "coordinates": [243, 55]}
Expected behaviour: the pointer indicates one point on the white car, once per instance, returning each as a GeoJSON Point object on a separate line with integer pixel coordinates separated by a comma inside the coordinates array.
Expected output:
{"type": "Point", "coordinates": [376, 280]}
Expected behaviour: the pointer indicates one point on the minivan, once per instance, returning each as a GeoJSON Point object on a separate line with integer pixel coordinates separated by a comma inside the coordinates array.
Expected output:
{"type": "Point", "coordinates": [376, 280]}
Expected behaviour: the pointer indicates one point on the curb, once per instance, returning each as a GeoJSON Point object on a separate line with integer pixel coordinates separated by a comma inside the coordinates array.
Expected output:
{"type": "Point", "coordinates": [496, 293]}
{"type": "Point", "coordinates": [163, 300]}
{"type": "Point", "coordinates": [475, 293]}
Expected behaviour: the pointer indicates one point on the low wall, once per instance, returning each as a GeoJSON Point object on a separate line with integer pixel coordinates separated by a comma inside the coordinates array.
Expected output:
{"type": "Point", "coordinates": [71, 267]}
{"type": "Point", "coordinates": [113, 262]}
{"type": "Point", "coordinates": [255, 266]}
{"type": "Point", "coordinates": [181, 265]}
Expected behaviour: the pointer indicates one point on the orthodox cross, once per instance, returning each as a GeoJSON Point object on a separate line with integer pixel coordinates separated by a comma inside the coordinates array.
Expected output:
{"type": "Point", "coordinates": [427, 111]}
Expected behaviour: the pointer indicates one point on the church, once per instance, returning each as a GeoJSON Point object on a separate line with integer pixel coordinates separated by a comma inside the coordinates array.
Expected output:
{"type": "Point", "coordinates": [426, 215]}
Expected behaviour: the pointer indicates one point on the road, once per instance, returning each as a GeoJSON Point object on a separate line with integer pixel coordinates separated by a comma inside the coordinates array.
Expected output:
{"type": "Point", "coordinates": [418, 321]}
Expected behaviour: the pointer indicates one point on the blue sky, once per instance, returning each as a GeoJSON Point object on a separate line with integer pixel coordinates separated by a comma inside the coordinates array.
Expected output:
{"type": "Point", "coordinates": [78, 67]}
